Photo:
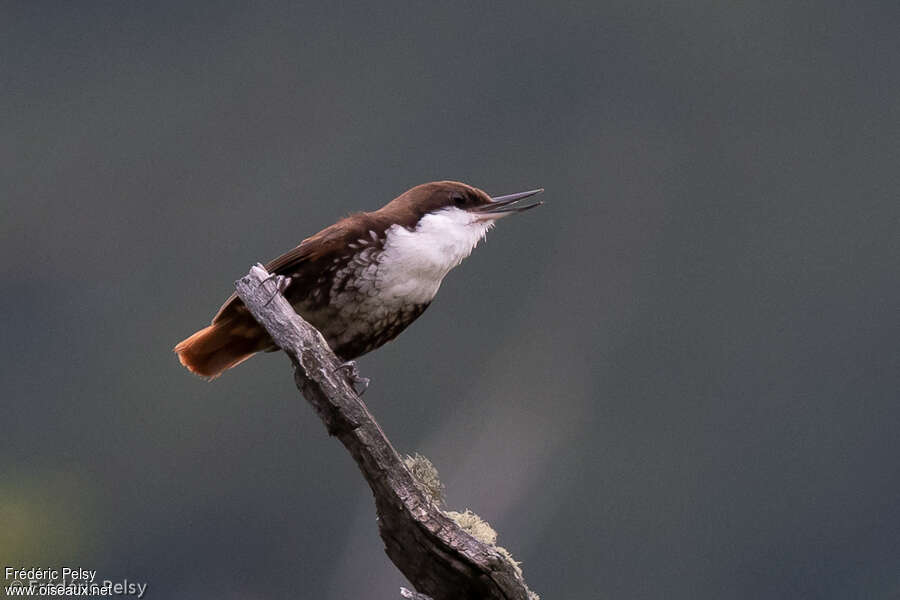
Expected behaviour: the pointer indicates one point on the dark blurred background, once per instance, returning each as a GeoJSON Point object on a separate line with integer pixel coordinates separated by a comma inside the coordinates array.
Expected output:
{"type": "Point", "coordinates": [677, 379]}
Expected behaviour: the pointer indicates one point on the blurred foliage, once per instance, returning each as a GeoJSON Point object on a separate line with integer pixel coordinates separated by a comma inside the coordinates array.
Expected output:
{"type": "Point", "coordinates": [46, 519]}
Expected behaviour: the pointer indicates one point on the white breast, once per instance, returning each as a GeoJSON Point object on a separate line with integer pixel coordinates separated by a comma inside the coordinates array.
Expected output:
{"type": "Point", "coordinates": [386, 287]}
{"type": "Point", "coordinates": [414, 262]}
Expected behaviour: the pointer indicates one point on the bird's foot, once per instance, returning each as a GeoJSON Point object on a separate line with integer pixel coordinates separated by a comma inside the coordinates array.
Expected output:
{"type": "Point", "coordinates": [354, 377]}
{"type": "Point", "coordinates": [281, 284]}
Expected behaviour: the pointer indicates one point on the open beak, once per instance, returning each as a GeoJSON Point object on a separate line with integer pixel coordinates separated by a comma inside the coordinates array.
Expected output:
{"type": "Point", "coordinates": [505, 205]}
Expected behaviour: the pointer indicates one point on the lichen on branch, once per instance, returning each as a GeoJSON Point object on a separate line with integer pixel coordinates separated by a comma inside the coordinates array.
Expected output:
{"type": "Point", "coordinates": [436, 555]}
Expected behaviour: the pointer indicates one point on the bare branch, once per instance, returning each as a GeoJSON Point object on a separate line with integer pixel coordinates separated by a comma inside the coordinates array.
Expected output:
{"type": "Point", "coordinates": [411, 595]}
{"type": "Point", "coordinates": [436, 556]}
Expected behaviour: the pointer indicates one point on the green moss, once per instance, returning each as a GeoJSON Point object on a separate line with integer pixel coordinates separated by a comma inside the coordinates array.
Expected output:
{"type": "Point", "coordinates": [426, 477]}
{"type": "Point", "coordinates": [482, 531]}
{"type": "Point", "coordinates": [474, 525]}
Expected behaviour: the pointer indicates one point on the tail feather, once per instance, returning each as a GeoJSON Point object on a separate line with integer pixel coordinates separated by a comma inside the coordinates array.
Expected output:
{"type": "Point", "coordinates": [222, 345]}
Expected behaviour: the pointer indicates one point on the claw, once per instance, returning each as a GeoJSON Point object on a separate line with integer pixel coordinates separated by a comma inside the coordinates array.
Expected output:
{"type": "Point", "coordinates": [281, 284]}
{"type": "Point", "coordinates": [354, 376]}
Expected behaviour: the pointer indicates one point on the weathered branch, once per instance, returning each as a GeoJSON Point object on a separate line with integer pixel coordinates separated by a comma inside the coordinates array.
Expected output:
{"type": "Point", "coordinates": [436, 556]}
{"type": "Point", "coordinates": [411, 595]}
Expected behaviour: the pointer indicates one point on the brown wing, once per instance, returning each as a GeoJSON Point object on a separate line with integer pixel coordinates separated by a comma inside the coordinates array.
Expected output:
{"type": "Point", "coordinates": [307, 261]}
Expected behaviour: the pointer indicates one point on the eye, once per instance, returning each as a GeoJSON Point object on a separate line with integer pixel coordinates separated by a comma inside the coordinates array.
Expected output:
{"type": "Point", "coordinates": [457, 199]}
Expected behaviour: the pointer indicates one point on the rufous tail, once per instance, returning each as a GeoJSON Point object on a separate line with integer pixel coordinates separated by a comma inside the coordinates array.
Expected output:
{"type": "Point", "coordinates": [224, 344]}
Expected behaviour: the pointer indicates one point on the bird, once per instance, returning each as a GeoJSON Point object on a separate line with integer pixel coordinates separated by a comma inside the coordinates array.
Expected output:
{"type": "Point", "coordinates": [364, 279]}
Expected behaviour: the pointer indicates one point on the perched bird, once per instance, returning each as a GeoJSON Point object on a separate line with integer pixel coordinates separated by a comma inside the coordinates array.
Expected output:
{"type": "Point", "coordinates": [363, 280]}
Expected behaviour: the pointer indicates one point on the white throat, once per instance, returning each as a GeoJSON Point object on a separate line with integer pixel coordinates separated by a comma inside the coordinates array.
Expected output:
{"type": "Point", "coordinates": [414, 262]}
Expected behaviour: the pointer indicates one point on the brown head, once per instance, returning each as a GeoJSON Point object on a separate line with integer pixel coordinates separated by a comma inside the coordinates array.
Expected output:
{"type": "Point", "coordinates": [435, 196]}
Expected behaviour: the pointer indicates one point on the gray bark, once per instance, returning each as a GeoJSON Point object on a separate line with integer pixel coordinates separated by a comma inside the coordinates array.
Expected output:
{"type": "Point", "coordinates": [436, 556]}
